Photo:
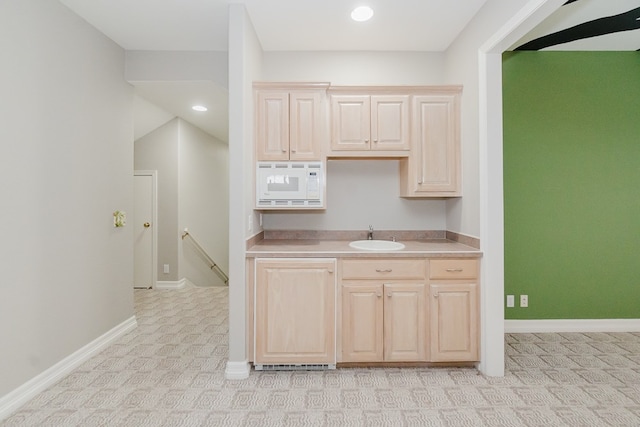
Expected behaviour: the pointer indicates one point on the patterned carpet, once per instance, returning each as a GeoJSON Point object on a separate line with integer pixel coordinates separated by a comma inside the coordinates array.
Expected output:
{"type": "Point", "coordinates": [170, 372]}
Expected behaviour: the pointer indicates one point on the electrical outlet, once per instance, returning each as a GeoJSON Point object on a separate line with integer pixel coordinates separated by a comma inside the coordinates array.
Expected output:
{"type": "Point", "coordinates": [511, 301]}
{"type": "Point", "coordinates": [165, 269]}
{"type": "Point", "coordinates": [524, 300]}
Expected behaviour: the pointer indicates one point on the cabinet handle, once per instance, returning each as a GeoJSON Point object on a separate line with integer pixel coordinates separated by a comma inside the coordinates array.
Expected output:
{"type": "Point", "coordinates": [284, 151]}
{"type": "Point", "coordinates": [379, 294]}
{"type": "Point", "coordinates": [389, 294]}
{"type": "Point", "coordinates": [435, 295]}
{"type": "Point", "coordinates": [330, 271]}
{"type": "Point", "coordinates": [455, 270]}
{"type": "Point", "coordinates": [293, 151]}
{"type": "Point", "coordinates": [375, 141]}
{"type": "Point", "coordinates": [388, 270]}
{"type": "Point", "coordinates": [366, 140]}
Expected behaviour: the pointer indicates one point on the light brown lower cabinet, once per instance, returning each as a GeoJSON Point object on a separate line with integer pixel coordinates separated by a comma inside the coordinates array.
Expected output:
{"type": "Point", "coordinates": [295, 311]}
{"type": "Point", "coordinates": [383, 322]}
{"type": "Point", "coordinates": [390, 310]}
{"type": "Point", "coordinates": [453, 311]}
{"type": "Point", "coordinates": [383, 310]}
{"type": "Point", "coordinates": [393, 311]}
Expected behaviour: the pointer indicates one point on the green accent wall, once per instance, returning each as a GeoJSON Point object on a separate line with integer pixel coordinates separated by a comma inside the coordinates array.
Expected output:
{"type": "Point", "coordinates": [572, 184]}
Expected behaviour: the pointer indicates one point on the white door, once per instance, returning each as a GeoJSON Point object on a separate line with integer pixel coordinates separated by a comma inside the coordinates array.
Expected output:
{"type": "Point", "coordinates": [144, 230]}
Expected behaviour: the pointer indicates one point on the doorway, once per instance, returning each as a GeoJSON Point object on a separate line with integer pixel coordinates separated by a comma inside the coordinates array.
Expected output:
{"type": "Point", "coordinates": [145, 233]}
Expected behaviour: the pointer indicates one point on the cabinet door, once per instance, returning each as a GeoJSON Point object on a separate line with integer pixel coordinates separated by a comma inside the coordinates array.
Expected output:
{"type": "Point", "coordinates": [438, 148]}
{"type": "Point", "coordinates": [362, 323]}
{"type": "Point", "coordinates": [350, 122]}
{"type": "Point", "coordinates": [272, 125]}
{"type": "Point", "coordinates": [433, 170]}
{"type": "Point", "coordinates": [307, 121]}
{"type": "Point", "coordinates": [404, 322]}
{"type": "Point", "coordinates": [295, 311]}
{"type": "Point", "coordinates": [454, 322]}
{"type": "Point", "coordinates": [390, 122]}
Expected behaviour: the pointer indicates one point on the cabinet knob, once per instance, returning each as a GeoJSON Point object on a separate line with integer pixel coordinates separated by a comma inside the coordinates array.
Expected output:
{"type": "Point", "coordinates": [435, 295]}
{"type": "Point", "coordinates": [284, 151]}
{"type": "Point", "coordinates": [379, 294]}
{"type": "Point", "coordinates": [419, 181]}
{"type": "Point", "coordinates": [375, 141]}
{"type": "Point", "coordinates": [389, 294]}
{"type": "Point", "coordinates": [330, 271]}
{"type": "Point", "coordinates": [293, 151]}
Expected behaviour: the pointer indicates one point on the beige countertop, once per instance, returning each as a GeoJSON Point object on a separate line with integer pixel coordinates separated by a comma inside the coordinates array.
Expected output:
{"type": "Point", "coordinates": [310, 248]}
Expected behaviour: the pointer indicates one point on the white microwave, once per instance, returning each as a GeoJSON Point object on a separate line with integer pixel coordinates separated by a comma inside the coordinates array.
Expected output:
{"type": "Point", "coordinates": [290, 185]}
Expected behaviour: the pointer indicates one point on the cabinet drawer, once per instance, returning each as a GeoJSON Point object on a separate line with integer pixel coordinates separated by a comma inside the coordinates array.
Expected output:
{"type": "Point", "coordinates": [453, 269]}
{"type": "Point", "coordinates": [381, 268]}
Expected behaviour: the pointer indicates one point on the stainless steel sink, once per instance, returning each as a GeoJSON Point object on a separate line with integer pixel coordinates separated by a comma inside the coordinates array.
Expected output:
{"type": "Point", "coordinates": [376, 245]}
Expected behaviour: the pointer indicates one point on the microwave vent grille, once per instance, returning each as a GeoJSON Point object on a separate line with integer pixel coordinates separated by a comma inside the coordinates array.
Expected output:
{"type": "Point", "coordinates": [297, 203]}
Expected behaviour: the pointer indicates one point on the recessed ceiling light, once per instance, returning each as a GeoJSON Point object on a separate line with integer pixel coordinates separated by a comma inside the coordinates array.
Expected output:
{"type": "Point", "coordinates": [199, 108]}
{"type": "Point", "coordinates": [362, 13]}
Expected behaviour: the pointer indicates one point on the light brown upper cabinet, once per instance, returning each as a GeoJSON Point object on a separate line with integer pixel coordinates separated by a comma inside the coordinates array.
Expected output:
{"type": "Point", "coordinates": [433, 169]}
{"type": "Point", "coordinates": [369, 125]}
{"type": "Point", "coordinates": [291, 121]}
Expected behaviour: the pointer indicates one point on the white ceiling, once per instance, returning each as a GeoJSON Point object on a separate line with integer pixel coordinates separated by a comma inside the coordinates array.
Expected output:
{"type": "Point", "coordinates": [306, 25]}
{"type": "Point", "coordinates": [406, 25]}
{"type": "Point", "coordinates": [178, 97]}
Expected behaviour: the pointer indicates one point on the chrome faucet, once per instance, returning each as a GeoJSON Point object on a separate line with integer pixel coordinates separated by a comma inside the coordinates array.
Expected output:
{"type": "Point", "coordinates": [370, 234]}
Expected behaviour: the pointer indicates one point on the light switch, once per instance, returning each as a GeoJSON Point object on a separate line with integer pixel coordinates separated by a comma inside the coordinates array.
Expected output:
{"type": "Point", "coordinates": [511, 301]}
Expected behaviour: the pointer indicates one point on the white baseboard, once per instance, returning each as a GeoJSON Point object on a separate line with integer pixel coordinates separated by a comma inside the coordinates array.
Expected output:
{"type": "Point", "coordinates": [10, 402]}
{"type": "Point", "coordinates": [572, 325]}
{"type": "Point", "coordinates": [237, 370]}
{"type": "Point", "coordinates": [178, 284]}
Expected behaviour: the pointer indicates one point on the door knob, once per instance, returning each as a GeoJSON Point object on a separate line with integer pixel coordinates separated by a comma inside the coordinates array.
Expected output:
{"type": "Point", "coordinates": [146, 225]}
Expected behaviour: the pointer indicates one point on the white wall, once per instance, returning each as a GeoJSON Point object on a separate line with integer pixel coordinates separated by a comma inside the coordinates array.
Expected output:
{"type": "Point", "coordinates": [66, 163]}
{"type": "Point", "coordinates": [461, 67]}
{"type": "Point", "coordinates": [245, 63]}
{"type": "Point", "coordinates": [204, 203]}
{"type": "Point", "coordinates": [147, 117]}
{"type": "Point", "coordinates": [159, 150]}
{"type": "Point", "coordinates": [355, 68]}
{"type": "Point", "coordinates": [171, 66]}
{"type": "Point", "coordinates": [360, 192]}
